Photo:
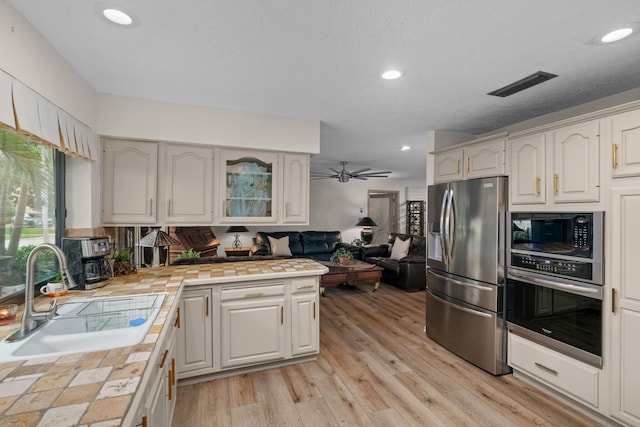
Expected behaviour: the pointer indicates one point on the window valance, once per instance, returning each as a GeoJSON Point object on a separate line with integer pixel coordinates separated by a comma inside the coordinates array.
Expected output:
{"type": "Point", "coordinates": [30, 114]}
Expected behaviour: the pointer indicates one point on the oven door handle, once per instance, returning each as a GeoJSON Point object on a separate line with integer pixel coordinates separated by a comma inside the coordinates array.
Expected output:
{"type": "Point", "coordinates": [458, 282]}
{"type": "Point", "coordinates": [573, 289]}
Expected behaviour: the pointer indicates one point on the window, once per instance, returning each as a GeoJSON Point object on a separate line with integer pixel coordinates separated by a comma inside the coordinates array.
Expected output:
{"type": "Point", "coordinates": [31, 190]}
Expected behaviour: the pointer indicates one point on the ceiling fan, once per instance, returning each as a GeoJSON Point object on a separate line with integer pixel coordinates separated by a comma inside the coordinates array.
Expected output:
{"type": "Point", "coordinates": [344, 175]}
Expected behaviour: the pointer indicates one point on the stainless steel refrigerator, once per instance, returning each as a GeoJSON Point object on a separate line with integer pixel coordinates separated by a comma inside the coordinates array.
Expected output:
{"type": "Point", "coordinates": [466, 270]}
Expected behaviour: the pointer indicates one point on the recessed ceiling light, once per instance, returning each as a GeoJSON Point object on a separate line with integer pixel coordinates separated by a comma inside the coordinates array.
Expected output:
{"type": "Point", "coordinates": [405, 147]}
{"type": "Point", "coordinates": [117, 16]}
{"type": "Point", "coordinates": [616, 35]}
{"type": "Point", "coordinates": [391, 75]}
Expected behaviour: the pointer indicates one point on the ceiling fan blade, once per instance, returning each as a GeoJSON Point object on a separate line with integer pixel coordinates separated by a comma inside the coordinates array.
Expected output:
{"type": "Point", "coordinates": [375, 173]}
{"type": "Point", "coordinates": [338, 172]}
{"type": "Point", "coordinates": [359, 177]}
{"type": "Point", "coordinates": [359, 171]}
{"type": "Point", "coordinates": [333, 175]}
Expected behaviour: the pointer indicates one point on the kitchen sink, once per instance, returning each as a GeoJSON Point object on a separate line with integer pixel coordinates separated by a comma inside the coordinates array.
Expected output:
{"type": "Point", "coordinates": [89, 324]}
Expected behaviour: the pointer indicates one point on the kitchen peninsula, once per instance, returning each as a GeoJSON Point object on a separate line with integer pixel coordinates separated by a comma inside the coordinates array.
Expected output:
{"type": "Point", "coordinates": [122, 386]}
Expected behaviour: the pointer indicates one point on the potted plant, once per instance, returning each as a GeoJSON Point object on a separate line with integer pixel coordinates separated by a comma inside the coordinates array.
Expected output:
{"type": "Point", "coordinates": [55, 287]}
{"type": "Point", "coordinates": [190, 254]}
{"type": "Point", "coordinates": [342, 256]}
{"type": "Point", "coordinates": [122, 262]}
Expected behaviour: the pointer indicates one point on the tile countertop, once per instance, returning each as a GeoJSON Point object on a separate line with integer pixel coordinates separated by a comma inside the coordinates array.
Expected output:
{"type": "Point", "coordinates": [97, 388]}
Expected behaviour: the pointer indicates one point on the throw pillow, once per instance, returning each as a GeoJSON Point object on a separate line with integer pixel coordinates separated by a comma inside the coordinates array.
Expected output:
{"type": "Point", "coordinates": [280, 247]}
{"type": "Point", "coordinates": [400, 248]}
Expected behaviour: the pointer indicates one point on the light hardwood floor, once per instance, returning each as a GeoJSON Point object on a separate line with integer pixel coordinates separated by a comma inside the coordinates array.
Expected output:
{"type": "Point", "coordinates": [376, 367]}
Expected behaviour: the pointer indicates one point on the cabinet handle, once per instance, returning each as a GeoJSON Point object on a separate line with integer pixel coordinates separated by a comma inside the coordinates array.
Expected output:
{"type": "Point", "coordinates": [170, 385]}
{"type": "Point", "coordinates": [253, 294]}
{"type": "Point", "coordinates": [467, 163]}
{"type": "Point", "coordinates": [537, 185]}
{"type": "Point", "coordinates": [555, 183]}
{"type": "Point", "coordinates": [545, 368]}
{"type": "Point", "coordinates": [613, 300]}
{"type": "Point", "coordinates": [150, 207]}
{"type": "Point", "coordinates": [206, 309]}
{"type": "Point", "coordinates": [144, 420]}
{"type": "Point", "coordinates": [314, 310]}
{"type": "Point", "coordinates": [457, 167]}
{"type": "Point", "coordinates": [305, 287]}
{"type": "Point", "coordinates": [615, 156]}
{"type": "Point", "coordinates": [282, 315]}
{"type": "Point", "coordinates": [173, 371]}
{"type": "Point", "coordinates": [177, 322]}
{"type": "Point", "coordinates": [169, 207]}
{"type": "Point", "coordinates": [164, 358]}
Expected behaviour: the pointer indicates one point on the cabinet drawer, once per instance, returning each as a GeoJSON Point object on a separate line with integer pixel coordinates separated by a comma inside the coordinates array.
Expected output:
{"type": "Point", "coordinates": [560, 372]}
{"type": "Point", "coordinates": [303, 285]}
{"type": "Point", "coordinates": [244, 292]}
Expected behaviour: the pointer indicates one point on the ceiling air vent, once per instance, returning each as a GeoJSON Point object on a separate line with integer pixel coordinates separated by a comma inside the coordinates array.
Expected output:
{"type": "Point", "coordinates": [522, 84]}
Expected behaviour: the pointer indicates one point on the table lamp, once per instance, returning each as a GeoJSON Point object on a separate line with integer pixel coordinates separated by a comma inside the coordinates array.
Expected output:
{"type": "Point", "coordinates": [366, 234]}
{"type": "Point", "coordinates": [155, 239]}
{"type": "Point", "coordinates": [237, 229]}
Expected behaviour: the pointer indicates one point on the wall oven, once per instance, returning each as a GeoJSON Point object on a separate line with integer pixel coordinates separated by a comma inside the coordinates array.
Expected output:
{"type": "Point", "coordinates": [555, 274]}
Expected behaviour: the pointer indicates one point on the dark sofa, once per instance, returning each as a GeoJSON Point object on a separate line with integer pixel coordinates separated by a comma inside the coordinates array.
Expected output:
{"type": "Point", "coordinates": [318, 245]}
{"type": "Point", "coordinates": [407, 273]}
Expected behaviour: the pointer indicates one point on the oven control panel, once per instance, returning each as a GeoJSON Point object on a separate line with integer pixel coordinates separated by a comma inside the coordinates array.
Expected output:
{"type": "Point", "coordinates": [575, 269]}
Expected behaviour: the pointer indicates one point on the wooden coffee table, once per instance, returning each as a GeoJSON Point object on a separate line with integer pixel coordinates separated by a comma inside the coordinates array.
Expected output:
{"type": "Point", "coordinates": [356, 272]}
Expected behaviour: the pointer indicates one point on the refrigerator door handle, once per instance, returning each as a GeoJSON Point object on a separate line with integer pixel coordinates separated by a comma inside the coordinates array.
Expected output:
{"type": "Point", "coordinates": [461, 283]}
{"type": "Point", "coordinates": [459, 307]}
{"type": "Point", "coordinates": [447, 226]}
{"type": "Point", "coordinates": [443, 234]}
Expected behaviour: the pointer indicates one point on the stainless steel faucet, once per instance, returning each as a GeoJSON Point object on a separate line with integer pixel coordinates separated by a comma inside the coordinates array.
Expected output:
{"type": "Point", "coordinates": [31, 318]}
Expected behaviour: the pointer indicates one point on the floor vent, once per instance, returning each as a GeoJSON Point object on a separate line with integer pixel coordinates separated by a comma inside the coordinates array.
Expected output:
{"type": "Point", "coordinates": [522, 84]}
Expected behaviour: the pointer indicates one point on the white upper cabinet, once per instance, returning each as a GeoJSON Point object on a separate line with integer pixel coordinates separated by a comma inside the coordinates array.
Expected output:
{"type": "Point", "coordinates": [188, 184]}
{"type": "Point", "coordinates": [576, 165]}
{"type": "Point", "coordinates": [295, 179]}
{"type": "Point", "coordinates": [558, 167]}
{"type": "Point", "coordinates": [249, 187]}
{"type": "Point", "coordinates": [475, 160]}
{"type": "Point", "coordinates": [625, 144]}
{"type": "Point", "coordinates": [527, 161]}
{"type": "Point", "coordinates": [129, 178]}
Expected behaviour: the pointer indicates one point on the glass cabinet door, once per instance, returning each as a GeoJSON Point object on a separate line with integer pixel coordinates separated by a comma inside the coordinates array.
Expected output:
{"type": "Point", "coordinates": [250, 184]}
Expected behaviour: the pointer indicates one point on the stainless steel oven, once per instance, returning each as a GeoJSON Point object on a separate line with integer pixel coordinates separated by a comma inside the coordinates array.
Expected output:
{"type": "Point", "coordinates": [555, 274]}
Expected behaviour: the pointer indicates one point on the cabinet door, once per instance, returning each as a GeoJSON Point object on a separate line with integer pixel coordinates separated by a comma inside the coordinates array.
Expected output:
{"type": "Point", "coordinates": [252, 331]}
{"type": "Point", "coordinates": [195, 336]}
{"type": "Point", "coordinates": [156, 406]}
{"type": "Point", "coordinates": [527, 178]}
{"type": "Point", "coordinates": [625, 270]}
{"type": "Point", "coordinates": [304, 323]}
{"type": "Point", "coordinates": [625, 150]}
{"type": "Point", "coordinates": [484, 159]}
{"type": "Point", "coordinates": [295, 178]}
{"type": "Point", "coordinates": [576, 163]}
{"type": "Point", "coordinates": [249, 187]}
{"type": "Point", "coordinates": [189, 184]}
{"type": "Point", "coordinates": [448, 166]}
{"type": "Point", "coordinates": [129, 182]}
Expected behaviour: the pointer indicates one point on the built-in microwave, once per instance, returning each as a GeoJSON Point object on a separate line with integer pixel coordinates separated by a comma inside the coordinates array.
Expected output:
{"type": "Point", "coordinates": [562, 244]}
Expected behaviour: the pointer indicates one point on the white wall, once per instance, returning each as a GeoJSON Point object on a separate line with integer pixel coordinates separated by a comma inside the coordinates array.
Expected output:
{"type": "Point", "coordinates": [134, 118]}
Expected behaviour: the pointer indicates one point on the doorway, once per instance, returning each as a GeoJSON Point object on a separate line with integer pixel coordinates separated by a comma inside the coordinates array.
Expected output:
{"type": "Point", "coordinates": [382, 207]}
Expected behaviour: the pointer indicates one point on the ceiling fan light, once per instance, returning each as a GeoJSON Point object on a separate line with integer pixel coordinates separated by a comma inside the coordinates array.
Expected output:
{"type": "Point", "coordinates": [405, 148]}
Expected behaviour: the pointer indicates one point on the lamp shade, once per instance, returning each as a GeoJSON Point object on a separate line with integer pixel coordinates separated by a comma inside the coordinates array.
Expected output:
{"type": "Point", "coordinates": [237, 229]}
{"type": "Point", "coordinates": [366, 222]}
{"type": "Point", "coordinates": [157, 238]}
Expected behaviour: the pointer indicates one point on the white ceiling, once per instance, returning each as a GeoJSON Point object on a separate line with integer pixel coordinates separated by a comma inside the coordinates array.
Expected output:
{"type": "Point", "coordinates": [322, 59]}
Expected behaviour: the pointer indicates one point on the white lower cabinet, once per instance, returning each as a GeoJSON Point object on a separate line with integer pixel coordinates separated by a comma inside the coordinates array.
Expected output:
{"type": "Point", "coordinates": [161, 396]}
{"type": "Point", "coordinates": [195, 347]}
{"type": "Point", "coordinates": [233, 326]}
{"type": "Point", "coordinates": [555, 370]}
